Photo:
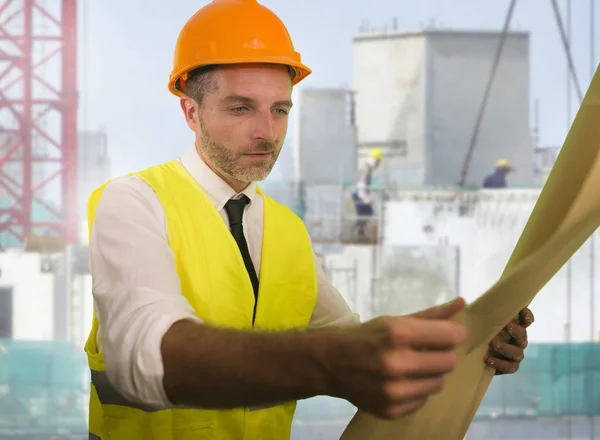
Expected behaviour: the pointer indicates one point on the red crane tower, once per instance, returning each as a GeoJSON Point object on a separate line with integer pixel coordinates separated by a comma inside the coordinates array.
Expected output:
{"type": "Point", "coordinates": [38, 119]}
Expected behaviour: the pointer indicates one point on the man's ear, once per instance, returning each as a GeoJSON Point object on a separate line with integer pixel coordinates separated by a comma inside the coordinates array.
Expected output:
{"type": "Point", "coordinates": [190, 112]}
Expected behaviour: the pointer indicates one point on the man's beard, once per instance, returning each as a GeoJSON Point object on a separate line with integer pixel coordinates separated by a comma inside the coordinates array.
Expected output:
{"type": "Point", "coordinates": [229, 162]}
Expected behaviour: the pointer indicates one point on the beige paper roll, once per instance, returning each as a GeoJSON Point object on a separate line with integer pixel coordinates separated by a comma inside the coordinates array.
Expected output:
{"type": "Point", "coordinates": [564, 217]}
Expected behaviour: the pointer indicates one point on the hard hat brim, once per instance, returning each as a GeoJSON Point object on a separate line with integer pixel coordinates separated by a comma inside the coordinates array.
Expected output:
{"type": "Point", "coordinates": [302, 71]}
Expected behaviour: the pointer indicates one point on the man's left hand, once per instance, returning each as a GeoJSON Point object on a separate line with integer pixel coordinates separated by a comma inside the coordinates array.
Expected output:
{"type": "Point", "coordinates": [505, 357]}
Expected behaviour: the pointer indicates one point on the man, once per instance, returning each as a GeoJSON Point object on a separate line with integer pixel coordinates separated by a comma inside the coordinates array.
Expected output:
{"type": "Point", "coordinates": [362, 197]}
{"type": "Point", "coordinates": [498, 178]}
{"type": "Point", "coordinates": [212, 316]}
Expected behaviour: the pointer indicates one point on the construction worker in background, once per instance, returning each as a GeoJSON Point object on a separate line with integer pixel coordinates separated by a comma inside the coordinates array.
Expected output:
{"type": "Point", "coordinates": [498, 178]}
{"type": "Point", "coordinates": [212, 316]}
{"type": "Point", "coordinates": [362, 196]}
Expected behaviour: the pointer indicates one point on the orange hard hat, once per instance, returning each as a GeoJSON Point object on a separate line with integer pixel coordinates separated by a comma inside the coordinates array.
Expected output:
{"type": "Point", "coordinates": [231, 32]}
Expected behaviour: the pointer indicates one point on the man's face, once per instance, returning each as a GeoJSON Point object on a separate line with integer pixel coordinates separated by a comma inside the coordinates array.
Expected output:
{"type": "Point", "coordinates": [240, 127]}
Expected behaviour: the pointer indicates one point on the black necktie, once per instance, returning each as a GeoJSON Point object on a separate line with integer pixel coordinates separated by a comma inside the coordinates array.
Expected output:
{"type": "Point", "coordinates": [235, 212]}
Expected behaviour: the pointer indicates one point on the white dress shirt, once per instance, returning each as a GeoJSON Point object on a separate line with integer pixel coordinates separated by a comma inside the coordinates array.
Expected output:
{"type": "Point", "coordinates": [363, 186]}
{"type": "Point", "coordinates": [136, 289]}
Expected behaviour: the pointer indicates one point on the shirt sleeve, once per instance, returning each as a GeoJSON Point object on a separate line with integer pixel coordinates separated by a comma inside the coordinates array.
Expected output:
{"type": "Point", "coordinates": [362, 188]}
{"type": "Point", "coordinates": [331, 310]}
{"type": "Point", "coordinates": [136, 288]}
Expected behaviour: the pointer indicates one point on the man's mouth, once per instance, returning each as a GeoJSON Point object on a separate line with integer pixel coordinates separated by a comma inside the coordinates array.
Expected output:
{"type": "Point", "coordinates": [260, 154]}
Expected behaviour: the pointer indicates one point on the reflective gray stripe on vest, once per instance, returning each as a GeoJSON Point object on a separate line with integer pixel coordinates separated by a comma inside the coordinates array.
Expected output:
{"type": "Point", "coordinates": [94, 437]}
{"type": "Point", "coordinates": [108, 395]}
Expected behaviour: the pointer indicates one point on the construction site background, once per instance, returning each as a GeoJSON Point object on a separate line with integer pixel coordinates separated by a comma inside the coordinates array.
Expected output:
{"type": "Point", "coordinates": [442, 104]}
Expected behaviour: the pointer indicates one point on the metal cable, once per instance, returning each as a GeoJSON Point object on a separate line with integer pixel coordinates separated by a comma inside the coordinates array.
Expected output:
{"type": "Point", "coordinates": [567, 48]}
{"type": "Point", "coordinates": [469, 155]}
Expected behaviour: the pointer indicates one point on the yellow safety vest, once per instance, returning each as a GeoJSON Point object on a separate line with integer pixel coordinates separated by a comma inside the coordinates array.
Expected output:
{"type": "Point", "coordinates": [216, 283]}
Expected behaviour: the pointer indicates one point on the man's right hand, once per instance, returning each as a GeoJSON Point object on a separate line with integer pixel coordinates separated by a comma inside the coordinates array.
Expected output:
{"type": "Point", "coordinates": [389, 366]}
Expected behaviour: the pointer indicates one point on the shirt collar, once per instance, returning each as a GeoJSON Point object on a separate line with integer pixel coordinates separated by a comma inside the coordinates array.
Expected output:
{"type": "Point", "coordinates": [218, 191]}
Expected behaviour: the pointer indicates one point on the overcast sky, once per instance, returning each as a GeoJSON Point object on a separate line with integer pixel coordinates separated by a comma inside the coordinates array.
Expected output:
{"type": "Point", "coordinates": [126, 52]}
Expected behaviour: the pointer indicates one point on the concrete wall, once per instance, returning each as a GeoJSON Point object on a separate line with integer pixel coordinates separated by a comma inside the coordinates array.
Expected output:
{"type": "Point", "coordinates": [43, 307]}
{"type": "Point", "coordinates": [418, 95]}
{"type": "Point", "coordinates": [33, 301]}
{"type": "Point", "coordinates": [487, 237]}
{"type": "Point", "coordinates": [458, 69]}
{"type": "Point", "coordinates": [389, 82]}
{"type": "Point", "coordinates": [350, 270]}
{"type": "Point", "coordinates": [325, 144]}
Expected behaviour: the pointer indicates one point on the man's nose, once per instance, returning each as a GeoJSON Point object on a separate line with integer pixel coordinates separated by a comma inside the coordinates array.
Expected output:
{"type": "Point", "coordinates": [265, 127]}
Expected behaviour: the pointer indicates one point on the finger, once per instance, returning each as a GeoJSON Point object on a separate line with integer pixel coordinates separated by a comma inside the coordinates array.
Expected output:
{"type": "Point", "coordinates": [502, 366]}
{"type": "Point", "coordinates": [526, 317]}
{"type": "Point", "coordinates": [443, 311]}
{"type": "Point", "coordinates": [403, 409]}
{"type": "Point", "coordinates": [509, 351]}
{"type": "Point", "coordinates": [427, 333]}
{"type": "Point", "coordinates": [518, 333]}
{"type": "Point", "coordinates": [403, 363]}
{"type": "Point", "coordinates": [504, 336]}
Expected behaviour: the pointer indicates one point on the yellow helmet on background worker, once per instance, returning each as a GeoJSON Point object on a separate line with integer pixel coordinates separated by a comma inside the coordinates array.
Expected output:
{"type": "Point", "coordinates": [233, 32]}
{"type": "Point", "coordinates": [376, 153]}
{"type": "Point", "coordinates": [504, 164]}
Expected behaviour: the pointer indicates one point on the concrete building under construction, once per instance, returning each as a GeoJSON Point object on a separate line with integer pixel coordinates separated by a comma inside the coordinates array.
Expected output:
{"type": "Point", "coordinates": [418, 95]}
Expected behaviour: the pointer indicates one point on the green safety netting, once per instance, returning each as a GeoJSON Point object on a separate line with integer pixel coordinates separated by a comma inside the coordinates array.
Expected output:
{"type": "Point", "coordinates": [43, 388]}
{"type": "Point", "coordinates": [554, 380]}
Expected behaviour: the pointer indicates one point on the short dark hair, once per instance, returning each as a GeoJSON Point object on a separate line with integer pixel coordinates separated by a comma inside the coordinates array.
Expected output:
{"type": "Point", "coordinates": [202, 81]}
